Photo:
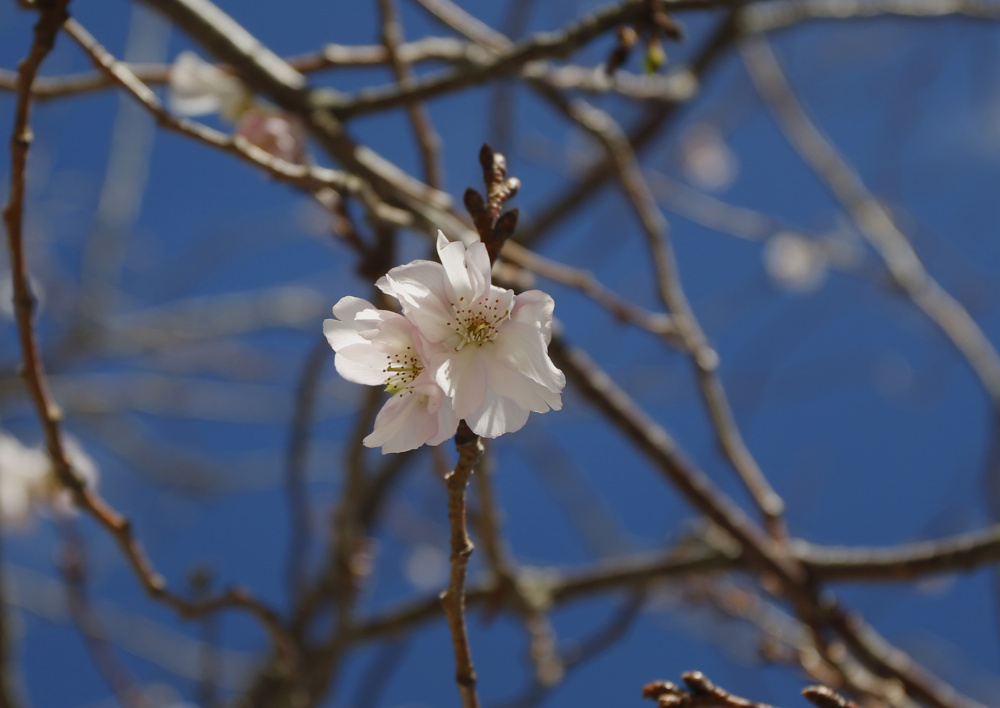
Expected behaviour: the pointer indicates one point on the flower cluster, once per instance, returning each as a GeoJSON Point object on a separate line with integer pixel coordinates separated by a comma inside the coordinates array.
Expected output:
{"type": "Point", "coordinates": [197, 88]}
{"type": "Point", "coordinates": [28, 482]}
{"type": "Point", "coordinates": [462, 348]}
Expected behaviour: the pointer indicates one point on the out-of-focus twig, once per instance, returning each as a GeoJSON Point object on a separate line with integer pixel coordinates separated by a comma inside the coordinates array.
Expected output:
{"type": "Point", "coordinates": [698, 692]}
{"type": "Point", "coordinates": [53, 16]}
{"type": "Point", "coordinates": [427, 138]}
{"type": "Point", "coordinates": [297, 457]}
{"type": "Point", "coordinates": [873, 220]}
{"type": "Point", "coordinates": [688, 331]}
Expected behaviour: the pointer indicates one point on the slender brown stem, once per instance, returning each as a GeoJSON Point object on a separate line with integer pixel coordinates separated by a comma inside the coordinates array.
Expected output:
{"type": "Point", "coordinates": [470, 450]}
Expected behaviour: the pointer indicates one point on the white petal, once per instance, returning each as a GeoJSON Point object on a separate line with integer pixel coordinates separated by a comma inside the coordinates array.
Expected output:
{"type": "Point", "coordinates": [402, 424]}
{"type": "Point", "coordinates": [362, 364]}
{"type": "Point", "coordinates": [197, 87]}
{"type": "Point", "coordinates": [523, 348]}
{"type": "Point", "coordinates": [452, 255]}
{"type": "Point", "coordinates": [497, 416]}
{"type": "Point", "coordinates": [341, 334]}
{"type": "Point", "coordinates": [347, 308]}
{"type": "Point", "coordinates": [477, 260]}
{"type": "Point", "coordinates": [437, 405]}
{"type": "Point", "coordinates": [420, 288]}
{"type": "Point", "coordinates": [463, 377]}
{"type": "Point", "coordinates": [535, 308]}
{"type": "Point", "coordinates": [513, 384]}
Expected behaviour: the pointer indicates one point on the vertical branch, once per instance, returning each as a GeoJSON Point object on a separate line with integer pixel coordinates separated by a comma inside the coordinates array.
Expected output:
{"type": "Point", "coordinates": [470, 450]}
{"type": "Point", "coordinates": [703, 357]}
{"type": "Point", "coordinates": [873, 220]}
{"type": "Point", "coordinates": [427, 138]}
{"type": "Point", "coordinates": [51, 18]}
{"type": "Point", "coordinates": [73, 566]}
{"type": "Point", "coordinates": [300, 533]}
{"type": "Point", "coordinates": [6, 664]}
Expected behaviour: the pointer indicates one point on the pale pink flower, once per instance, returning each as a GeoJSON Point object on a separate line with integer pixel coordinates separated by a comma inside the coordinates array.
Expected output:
{"type": "Point", "coordinates": [794, 263]}
{"type": "Point", "coordinates": [382, 348]}
{"type": "Point", "coordinates": [197, 87]}
{"type": "Point", "coordinates": [491, 354]}
{"type": "Point", "coordinates": [28, 482]}
{"type": "Point", "coordinates": [278, 133]}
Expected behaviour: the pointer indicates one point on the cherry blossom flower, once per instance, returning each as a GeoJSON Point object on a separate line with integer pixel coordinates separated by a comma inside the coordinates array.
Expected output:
{"type": "Point", "coordinates": [273, 131]}
{"type": "Point", "coordinates": [28, 482]}
{"type": "Point", "coordinates": [197, 88]}
{"type": "Point", "coordinates": [794, 263]}
{"type": "Point", "coordinates": [491, 354]}
{"type": "Point", "coordinates": [382, 348]}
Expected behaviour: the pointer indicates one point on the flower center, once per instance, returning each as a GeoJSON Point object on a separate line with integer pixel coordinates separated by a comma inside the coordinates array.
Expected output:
{"type": "Point", "coordinates": [477, 323]}
{"type": "Point", "coordinates": [403, 367]}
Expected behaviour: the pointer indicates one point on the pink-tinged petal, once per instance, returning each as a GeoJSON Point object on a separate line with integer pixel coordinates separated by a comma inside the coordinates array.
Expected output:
{"type": "Point", "coordinates": [447, 423]}
{"type": "Point", "coordinates": [341, 334]}
{"type": "Point", "coordinates": [477, 260]}
{"type": "Point", "coordinates": [347, 308]}
{"type": "Point", "coordinates": [497, 416]}
{"type": "Point", "coordinates": [197, 87]}
{"type": "Point", "coordinates": [513, 384]}
{"type": "Point", "coordinates": [437, 405]}
{"type": "Point", "coordinates": [452, 255]}
{"type": "Point", "coordinates": [402, 424]}
{"type": "Point", "coordinates": [420, 289]}
{"type": "Point", "coordinates": [394, 334]}
{"type": "Point", "coordinates": [415, 279]}
{"type": "Point", "coordinates": [535, 308]}
{"type": "Point", "coordinates": [462, 375]}
{"type": "Point", "coordinates": [523, 348]}
{"type": "Point", "coordinates": [362, 364]}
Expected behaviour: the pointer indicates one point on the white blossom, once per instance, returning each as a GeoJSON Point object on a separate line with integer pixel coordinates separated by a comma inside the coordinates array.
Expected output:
{"type": "Point", "coordinates": [28, 481]}
{"type": "Point", "coordinates": [382, 348]}
{"type": "Point", "coordinates": [197, 87]}
{"type": "Point", "coordinates": [273, 131]}
{"type": "Point", "coordinates": [794, 263]}
{"type": "Point", "coordinates": [490, 355]}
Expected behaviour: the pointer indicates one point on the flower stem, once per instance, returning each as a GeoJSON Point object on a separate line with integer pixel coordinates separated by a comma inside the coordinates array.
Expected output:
{"type": "Point", "coordinates": [470, 450]}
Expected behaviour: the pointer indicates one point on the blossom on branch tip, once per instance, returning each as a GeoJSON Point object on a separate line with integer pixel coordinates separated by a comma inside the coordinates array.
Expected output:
{"type": "Point", "coordinates": [490, 346]}
{"type": "Point", "coordinates": [28, 481]}
{"type": "Point", "coordinates": [197, 88]}
{"type": "Point", "coordinates": [383, 348]}
{"type": "Point", "coordinates": [274, 132]}
{"type": "Point", "coordinates": [462, 349]}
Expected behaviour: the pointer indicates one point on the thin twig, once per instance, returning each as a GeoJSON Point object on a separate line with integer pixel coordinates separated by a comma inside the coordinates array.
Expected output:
{"type": "Point", "coordinates": [553, 45]}
{"type": "Point", "coordinates": [427, 138]}
{"type": "Point", "coordinates": [470, 450]}
{"type": "Point", "coordinates": [871, 217]}
{"type": "Point", "coordinates": [73, 567]}
{"type": "Point", "coordinates": [704, 359]}
{"type": "Point", "coordinates": [53, 16]}
{"type": "Point", "coordinates": [296, 460]}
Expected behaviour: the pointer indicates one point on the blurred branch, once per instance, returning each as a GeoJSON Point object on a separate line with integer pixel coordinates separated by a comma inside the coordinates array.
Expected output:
{"type": "Point", "coordinates": [656, 323]}
{"type": "Point", "coordinates": [705, 360]}
{"type": "Point", "coordinates": [297, 457]}
{"type": "Point", "coordinates": [509, 59]}
{"type": "Point", "coordinates": [52, 17]}
{"type": "Point", "coordinates": [308, 177]}
{"type": "Point", "coordinates": [698, 692]}
{"type": "Point", "coordinates": [74, 573]}
{"type": "Point", "coordinates": [772, 15]}
{"type": "Point", "coordinates": [872, 218]}
{"type": "Point", "coordinates": [640, 136]}
{"type": "Point", "coordinates": [427, 138]}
